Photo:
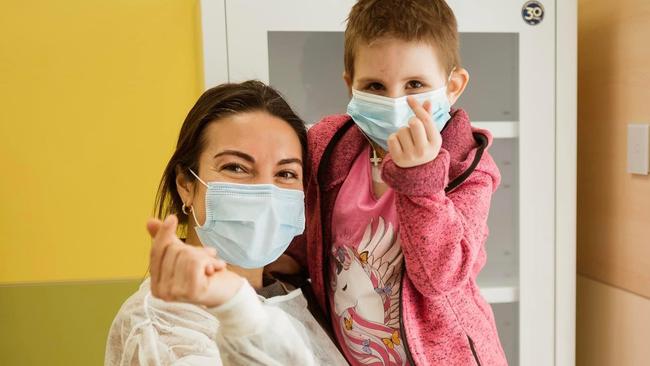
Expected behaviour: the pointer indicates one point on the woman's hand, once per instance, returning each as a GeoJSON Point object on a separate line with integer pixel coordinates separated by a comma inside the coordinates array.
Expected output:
{"type": "Point", "coordinates": [420, 142]}
{"type": "Point", "coordinates": [181, 272]}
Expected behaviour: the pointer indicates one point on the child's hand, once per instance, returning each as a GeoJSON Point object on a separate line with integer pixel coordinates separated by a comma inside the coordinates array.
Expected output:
{"type": "Point", "coordinates": [181, 272]}
{"type": "Point", "coordinates": [420, 142]}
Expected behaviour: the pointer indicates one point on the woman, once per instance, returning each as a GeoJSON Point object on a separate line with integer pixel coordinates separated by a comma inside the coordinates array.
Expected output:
{"type": "Point", "coordinates": [235, 182]}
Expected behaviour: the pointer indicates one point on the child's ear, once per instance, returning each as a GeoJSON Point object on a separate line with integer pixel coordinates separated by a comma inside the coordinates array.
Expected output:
{"type": "Point", "coordinates": [348, 82]}
{"type": "Point", "coordinates": [184, 187]}
{"type": "Point", "coordinates": [457, 84]}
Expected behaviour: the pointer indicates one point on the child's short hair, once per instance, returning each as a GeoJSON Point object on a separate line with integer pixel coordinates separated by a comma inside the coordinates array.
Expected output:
{"type": "Point", "coordinates": [429, 21]}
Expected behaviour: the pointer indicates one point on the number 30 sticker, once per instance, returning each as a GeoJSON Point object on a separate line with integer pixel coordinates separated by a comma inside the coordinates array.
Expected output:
{"type": "Point", "coordinates": [533, 12]}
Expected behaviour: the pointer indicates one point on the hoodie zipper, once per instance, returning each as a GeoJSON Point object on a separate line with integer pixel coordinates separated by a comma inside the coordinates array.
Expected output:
{"type": "Point", "coordinates": [402, 329]}
{"type": "Point", "coordinates": [471, 346]}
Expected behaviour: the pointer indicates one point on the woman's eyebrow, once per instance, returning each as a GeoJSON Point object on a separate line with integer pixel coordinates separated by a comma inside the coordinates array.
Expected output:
{"type": "Point", "coordinates": [237, 154]}
{"type": "Point", "coordinates": [290, 161]}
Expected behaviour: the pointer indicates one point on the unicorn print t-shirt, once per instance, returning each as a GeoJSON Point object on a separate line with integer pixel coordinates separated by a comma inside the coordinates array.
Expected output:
{"type": "Point", "coordinates": [365, 273]}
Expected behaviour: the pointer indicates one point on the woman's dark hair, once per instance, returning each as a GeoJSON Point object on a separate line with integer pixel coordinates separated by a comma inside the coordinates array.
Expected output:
{"type": "Point", "coordinates": [217, 103]}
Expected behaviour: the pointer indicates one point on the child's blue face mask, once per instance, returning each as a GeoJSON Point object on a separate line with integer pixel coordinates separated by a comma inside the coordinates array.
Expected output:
{"type": "Point", "coordinates": [379, 117]}
{"type": "Point", "coordinates": [250, 225]}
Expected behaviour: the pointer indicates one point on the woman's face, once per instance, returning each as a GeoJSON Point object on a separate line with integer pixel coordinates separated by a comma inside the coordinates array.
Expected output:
{"type": "Point", "coordinates": [246, 148]}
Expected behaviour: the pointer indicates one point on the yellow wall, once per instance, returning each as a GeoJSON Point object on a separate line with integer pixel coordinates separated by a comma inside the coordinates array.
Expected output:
{"type": "Point", "coordinates": [613, 206]}
{"type": "Point", "coordinates": [92, 95]}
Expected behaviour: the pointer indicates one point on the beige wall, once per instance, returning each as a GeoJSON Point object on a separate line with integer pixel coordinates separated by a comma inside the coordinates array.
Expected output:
{"type": "Point", "coordinates": [612, 326]}
{"type": "Point", "coordinates": [613, 206]}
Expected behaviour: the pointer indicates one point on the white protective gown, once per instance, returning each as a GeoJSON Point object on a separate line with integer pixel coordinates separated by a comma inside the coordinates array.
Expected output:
{"type": "Point", "coordinates": [247, 330]}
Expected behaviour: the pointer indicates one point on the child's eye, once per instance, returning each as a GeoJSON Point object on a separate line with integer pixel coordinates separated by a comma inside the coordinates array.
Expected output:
{"type": "Point", "coordinates": [414, 84]}
{"type": "Point", "coordinates": [287, 174]}
{"type": "Point", "coordinates": [375, 87]}
{"type": "Point", "coordinates": [235, 168]}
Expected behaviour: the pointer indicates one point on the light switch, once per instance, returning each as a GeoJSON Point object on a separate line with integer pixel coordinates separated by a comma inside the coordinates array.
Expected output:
{"type": "Point", "coordinates": [638, 153]}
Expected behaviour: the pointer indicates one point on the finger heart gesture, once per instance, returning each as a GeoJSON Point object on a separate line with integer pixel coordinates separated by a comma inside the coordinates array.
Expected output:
{"type": "Point", "coordinates": [419, 142]}
{"type": "Point", "coordinates": [181, 272]}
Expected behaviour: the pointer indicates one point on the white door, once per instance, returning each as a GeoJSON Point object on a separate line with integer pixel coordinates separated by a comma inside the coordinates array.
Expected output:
{"type": "Point", "coordinates": [297, 47]}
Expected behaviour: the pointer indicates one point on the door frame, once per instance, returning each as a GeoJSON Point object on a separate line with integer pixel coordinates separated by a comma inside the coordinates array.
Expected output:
{"type": "Point", "coordinates": [558, 300]}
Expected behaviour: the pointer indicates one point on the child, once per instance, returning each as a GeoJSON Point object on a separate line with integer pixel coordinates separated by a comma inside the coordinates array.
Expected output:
{"type": "Point", "coordinates": [398, 197]}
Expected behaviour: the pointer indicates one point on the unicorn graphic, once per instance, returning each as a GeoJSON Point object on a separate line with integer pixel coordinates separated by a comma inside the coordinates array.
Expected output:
{"type": "Point", "coordinates": [354, 289]}
{"type": "Point", "coordinates": [366, 296]}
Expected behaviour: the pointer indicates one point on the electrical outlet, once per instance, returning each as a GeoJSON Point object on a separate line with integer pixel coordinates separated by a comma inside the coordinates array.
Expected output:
{"type": "Point", "coordinates": [638, 153]}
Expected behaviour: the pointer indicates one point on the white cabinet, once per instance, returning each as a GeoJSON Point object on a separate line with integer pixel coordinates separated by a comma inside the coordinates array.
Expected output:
{"type": "Point", "coordinates": [522, 88]}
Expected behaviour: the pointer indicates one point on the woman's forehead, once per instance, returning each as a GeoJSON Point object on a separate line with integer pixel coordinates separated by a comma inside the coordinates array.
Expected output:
{"type": "Point", "coordinates": [258, 134]}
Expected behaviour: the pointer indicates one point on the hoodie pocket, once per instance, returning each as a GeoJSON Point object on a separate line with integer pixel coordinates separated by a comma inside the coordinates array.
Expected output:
{"type": "Point", "coordinates": [471, 346]}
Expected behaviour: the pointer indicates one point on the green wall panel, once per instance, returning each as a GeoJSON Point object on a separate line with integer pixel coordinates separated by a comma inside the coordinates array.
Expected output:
{"type": "Point", "coordinates": [59, 323]}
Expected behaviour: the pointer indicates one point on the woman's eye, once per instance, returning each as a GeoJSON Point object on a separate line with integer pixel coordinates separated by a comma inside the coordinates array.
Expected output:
{"type": "Point", "coordinates": [287, 174]}
{"type": "Point", "coordinates": [235, 168]}
{"type": "Point", "coordinates": [375, 87]}
{"type": "Point", "coordinates": [414, 84]}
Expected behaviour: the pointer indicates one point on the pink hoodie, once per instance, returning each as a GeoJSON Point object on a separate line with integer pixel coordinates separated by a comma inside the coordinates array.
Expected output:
{"type": "Point", "coordinates": [444, 318]}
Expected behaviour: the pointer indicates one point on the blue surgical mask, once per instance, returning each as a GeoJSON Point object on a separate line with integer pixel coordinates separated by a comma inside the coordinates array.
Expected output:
{"type": "Point", "coordinates": [379, 117]}
{"type": "Point", "coordinates": [250, 225]}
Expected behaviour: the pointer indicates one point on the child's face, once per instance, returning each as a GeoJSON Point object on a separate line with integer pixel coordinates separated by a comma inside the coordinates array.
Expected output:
{"type": "Point", "coordinates": [394, 68]}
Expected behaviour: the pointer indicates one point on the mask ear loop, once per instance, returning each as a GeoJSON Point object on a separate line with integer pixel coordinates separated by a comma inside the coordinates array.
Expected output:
{"type": "Point", "coordinates": [184, 208]}
{"type": "Point", "coordinates": [448, 81]}
{"type": "Point", "coordinates": [197, 177]}
{"type": "Point", "coordinates": [451, 73]}
{"type": "Point", "coordinates": [194, 216]}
